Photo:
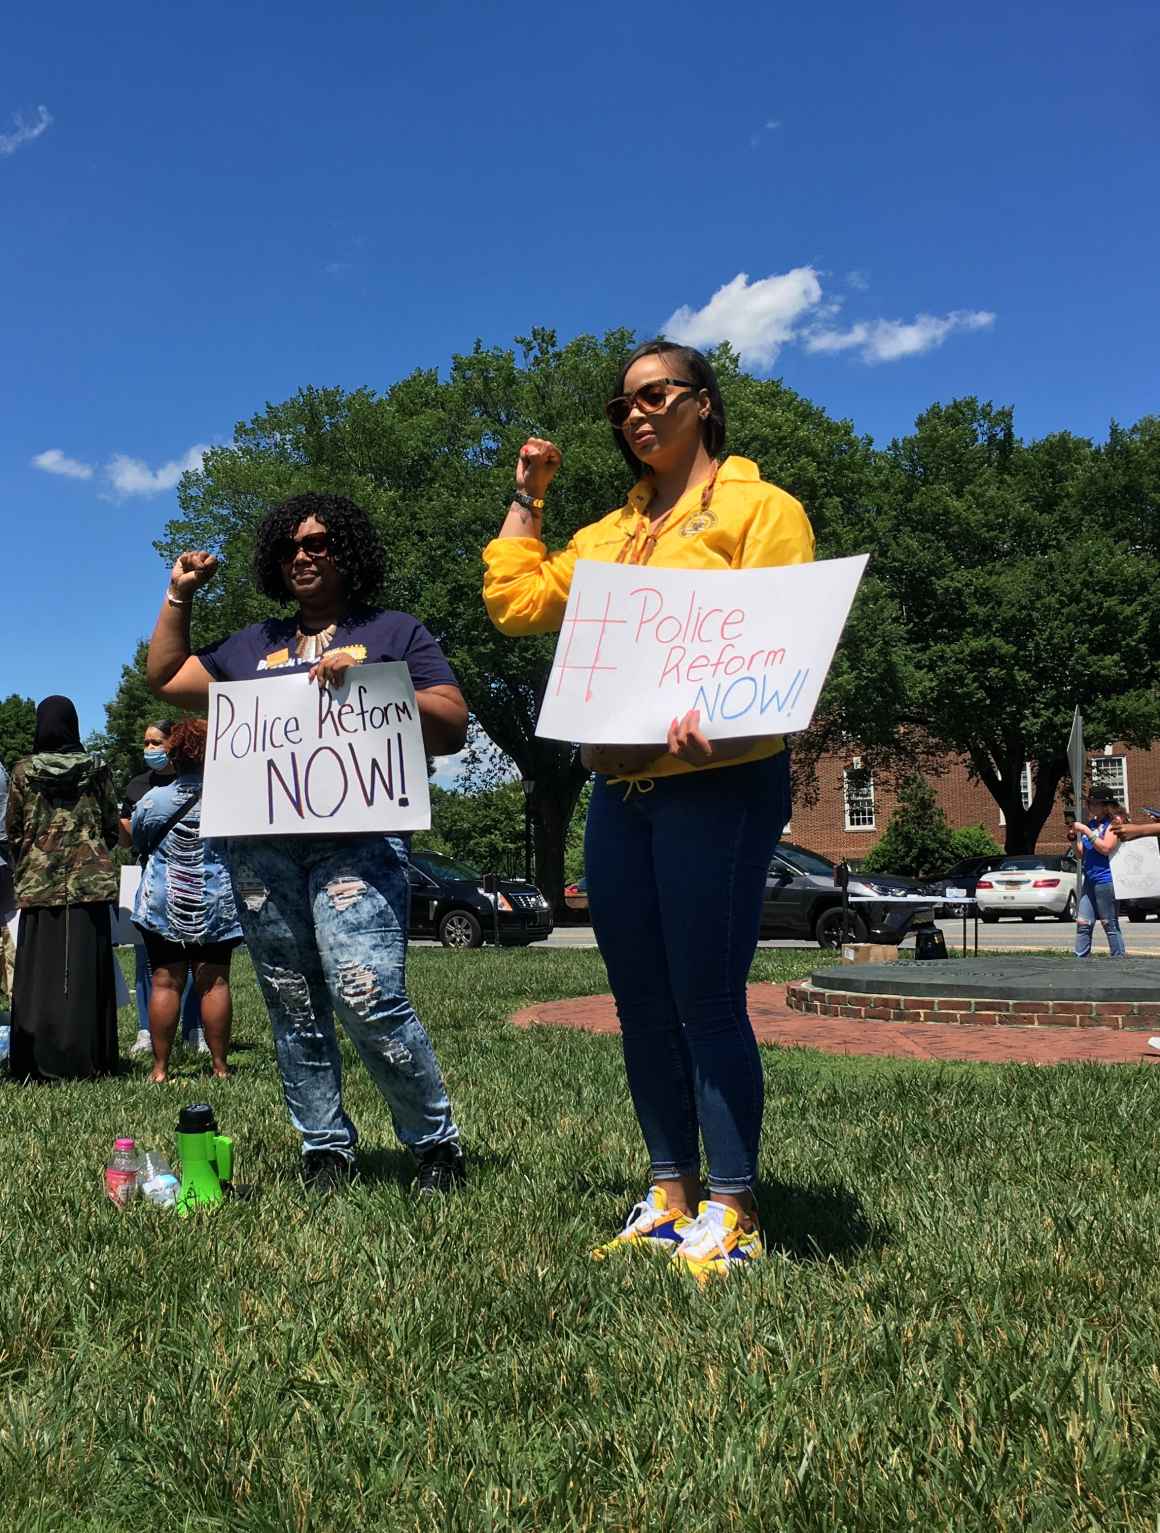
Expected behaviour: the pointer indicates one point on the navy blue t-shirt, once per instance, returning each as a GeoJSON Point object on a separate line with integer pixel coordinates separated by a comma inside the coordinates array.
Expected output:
{"type": "Point", "coordinates": [368, 635]}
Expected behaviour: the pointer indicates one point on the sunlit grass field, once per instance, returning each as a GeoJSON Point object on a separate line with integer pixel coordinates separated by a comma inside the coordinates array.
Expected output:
{"type": "Point", "coordinates": [957, 1327]}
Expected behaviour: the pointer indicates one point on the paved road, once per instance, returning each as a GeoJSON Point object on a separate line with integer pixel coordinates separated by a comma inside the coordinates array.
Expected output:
{"type": "Point", "coordinates": [1142, 937]}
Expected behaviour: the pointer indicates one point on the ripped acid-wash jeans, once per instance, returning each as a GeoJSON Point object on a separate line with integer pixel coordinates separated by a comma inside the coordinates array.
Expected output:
{"type": "Point", "coordinates": [325, 919]}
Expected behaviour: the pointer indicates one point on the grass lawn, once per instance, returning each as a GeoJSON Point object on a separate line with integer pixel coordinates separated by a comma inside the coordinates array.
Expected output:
{"type": "Point", "coordinates": [957, 1328]}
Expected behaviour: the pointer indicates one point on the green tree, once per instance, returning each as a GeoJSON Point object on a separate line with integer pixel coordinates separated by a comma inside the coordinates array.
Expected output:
{"type": "Point", "coordinates": [17, 728]}
{"type": "Point", "coordinates": [132, 708]}
{"type": "Point", "coordinates": [973, 841]}
{"type": "Point", "coordinates": [432, 460]}
{"type": "Point", "coordinates": [918, 841]}
{"type": "Point", "coordinates": [1008, 583]}
{"type": "Point", "coordinates": [484, 829]}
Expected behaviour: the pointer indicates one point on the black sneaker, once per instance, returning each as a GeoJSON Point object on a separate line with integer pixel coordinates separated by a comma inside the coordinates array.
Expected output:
{"type": "Point", "coordinates": [327, 1171]}
{"type": "Point", "coordinates": [441, 1170]}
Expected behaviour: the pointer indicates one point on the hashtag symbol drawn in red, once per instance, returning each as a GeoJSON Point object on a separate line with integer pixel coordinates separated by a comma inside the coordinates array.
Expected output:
{"type": "Point", "coordinates": [601, 625]}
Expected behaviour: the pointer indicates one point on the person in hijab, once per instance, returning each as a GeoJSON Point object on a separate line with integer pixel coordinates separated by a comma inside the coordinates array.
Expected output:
{"type": "Point", "coordinates": [62, 824]}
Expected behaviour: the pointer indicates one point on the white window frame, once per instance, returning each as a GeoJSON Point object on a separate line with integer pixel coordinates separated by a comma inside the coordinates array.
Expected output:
{"type": "Point", "coordinates": [864, 797]}
{"type": "Point", "coordinates": [1026, 790]}
{"type": "Point", "coordinates": [1116, 780]}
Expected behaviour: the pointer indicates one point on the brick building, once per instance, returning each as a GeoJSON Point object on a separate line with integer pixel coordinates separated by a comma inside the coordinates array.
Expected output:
{"type": "Point", "coordinates": [853, 811]}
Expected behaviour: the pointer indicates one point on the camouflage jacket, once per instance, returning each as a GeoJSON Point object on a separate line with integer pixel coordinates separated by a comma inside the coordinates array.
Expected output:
{"type": "Point", "coordinates": [62, 820]}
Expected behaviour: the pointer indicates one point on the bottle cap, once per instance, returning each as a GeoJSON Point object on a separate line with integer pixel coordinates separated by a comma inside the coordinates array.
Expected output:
{"type": "Point", "coordinates": [198, 1118]}
{"type": "Point", "coordinates": [125, 1144]}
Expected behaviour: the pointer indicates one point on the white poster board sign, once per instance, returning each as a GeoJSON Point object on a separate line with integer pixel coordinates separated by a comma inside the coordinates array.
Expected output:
{"type": "Point", "coordinates": [287, 758]}
{"type": "Point", "coordinates": [641, 646]}
{"type": "Point", "coordinates": [1135, 869]}
{"type": "Point", "coordinates": [125, 934]}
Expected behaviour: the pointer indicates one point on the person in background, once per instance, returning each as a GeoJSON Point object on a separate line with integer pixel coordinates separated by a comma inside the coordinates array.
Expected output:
{"type": "Point", "coordinates": [325, 917]}
{"type": "Point", "coordinates": [7, 911]}
{"type": "Point", "coordinates": [1096, 838]}
{"type": "Point", "coordinates": [1125, 831]}
{"type": "Point", "coordinates": [185, 908]}
{"type": "Point", "coordinates": [684, 808]}
{"type": "Point", "coordinates": [158, 771]}
{"type": "Point", "coordinates": [62, 824]}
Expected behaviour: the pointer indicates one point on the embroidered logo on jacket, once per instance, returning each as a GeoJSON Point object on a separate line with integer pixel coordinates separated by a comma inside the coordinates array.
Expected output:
{"type": "Point", "coordinates": [699, 523]}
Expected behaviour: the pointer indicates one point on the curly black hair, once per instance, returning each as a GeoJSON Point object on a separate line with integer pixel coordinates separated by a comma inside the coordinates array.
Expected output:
{"type": "Point", "coordinates": [354, 545]}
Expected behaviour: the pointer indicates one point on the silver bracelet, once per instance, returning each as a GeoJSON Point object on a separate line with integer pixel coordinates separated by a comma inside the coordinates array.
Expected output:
{"type": "Point", "coordinates": [173, 601]}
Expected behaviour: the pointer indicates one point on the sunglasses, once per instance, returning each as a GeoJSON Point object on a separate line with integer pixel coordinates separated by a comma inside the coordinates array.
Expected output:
{"type": "Point", "coordinates": [650, 397]}
{"type": "Point", "coordinates": [314, 545]}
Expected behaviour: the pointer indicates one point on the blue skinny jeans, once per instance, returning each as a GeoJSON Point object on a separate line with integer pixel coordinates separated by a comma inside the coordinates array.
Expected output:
{"type": "Point", "coordinates": [676, 879]}
{"type": "Point", "coordinates": [1097, 902]}
{"type": "Point", "coordinates": [325, 919]}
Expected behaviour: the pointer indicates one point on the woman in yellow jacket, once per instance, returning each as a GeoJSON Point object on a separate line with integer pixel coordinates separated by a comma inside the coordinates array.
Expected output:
{"type": "Point", "coordinates": [679, 833]}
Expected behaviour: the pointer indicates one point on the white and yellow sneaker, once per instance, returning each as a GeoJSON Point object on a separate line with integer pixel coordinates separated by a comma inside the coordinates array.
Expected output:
{"type": "Point", "coordinates": [651, 1224]}
{"type": "Point", "coordinates": [715, 1243]}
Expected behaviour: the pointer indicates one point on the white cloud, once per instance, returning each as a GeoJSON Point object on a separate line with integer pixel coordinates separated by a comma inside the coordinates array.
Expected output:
{"type": "Point", "coordinates": [25, 131]}
{"type": "Point", "coordinates": [858, 280]}
{"type": "Point", "coordinates": [757, 318]}
{"type": "Point", "coordinates": [889, 340]}
{"type": "Point", "coordinates": [133, 476]}
{"type": "Point", "coordinates": [54, 462]}
{"type": "Point", "coordinates": [770, 125]}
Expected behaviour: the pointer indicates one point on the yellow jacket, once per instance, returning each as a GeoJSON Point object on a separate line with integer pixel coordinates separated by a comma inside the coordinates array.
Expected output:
{"type": "Point", "coordinates": [748, 525]}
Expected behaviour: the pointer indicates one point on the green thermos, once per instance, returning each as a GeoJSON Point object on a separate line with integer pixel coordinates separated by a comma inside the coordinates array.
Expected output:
{"type": "Point", "coordinates": [207, 1158]}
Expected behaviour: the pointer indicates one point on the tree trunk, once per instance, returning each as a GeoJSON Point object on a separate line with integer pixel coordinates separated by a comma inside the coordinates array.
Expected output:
{"type": "Point", "coordinates": [552, 802]}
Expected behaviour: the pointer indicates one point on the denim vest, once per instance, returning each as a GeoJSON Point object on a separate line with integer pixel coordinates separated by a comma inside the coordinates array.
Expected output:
{"type": "Point", "coordinates": [185, 893]}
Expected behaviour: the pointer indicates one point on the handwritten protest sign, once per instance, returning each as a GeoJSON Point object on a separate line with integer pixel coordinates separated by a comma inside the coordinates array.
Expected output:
{"type": "Point", "coordinates": [286, 758]}
{"type": "Point", "coordinates": [1135, 869]}
{"type": "Point", "coordinates": [748, 648]}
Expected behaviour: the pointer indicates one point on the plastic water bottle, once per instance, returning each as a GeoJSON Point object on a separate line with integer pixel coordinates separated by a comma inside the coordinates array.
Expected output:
{"type": "Point", "coordinates": [121, 1172]}
{"type": "Point", "coordinates": [158, 1183]}
{"type": "Point", "coordinates": [5, 1036]}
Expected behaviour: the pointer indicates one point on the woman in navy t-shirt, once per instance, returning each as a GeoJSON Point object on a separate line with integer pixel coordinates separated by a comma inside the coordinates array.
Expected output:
{"type": "Point", "coordinates": [1097, 896]}
{"type": "Point", "coordinates": [325, 917]}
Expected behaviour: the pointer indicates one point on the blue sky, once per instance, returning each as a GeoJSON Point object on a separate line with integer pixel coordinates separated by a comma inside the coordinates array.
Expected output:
{"type": "Point", "coordinates": [206, 208]}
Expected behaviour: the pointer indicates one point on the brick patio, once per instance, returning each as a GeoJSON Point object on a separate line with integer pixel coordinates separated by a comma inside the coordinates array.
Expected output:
{"type": "Point", "coordinates": [779, 1027]}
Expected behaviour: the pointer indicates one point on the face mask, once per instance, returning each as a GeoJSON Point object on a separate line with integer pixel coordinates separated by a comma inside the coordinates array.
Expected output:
{"type": "Point", "coordinates": [155, 757]}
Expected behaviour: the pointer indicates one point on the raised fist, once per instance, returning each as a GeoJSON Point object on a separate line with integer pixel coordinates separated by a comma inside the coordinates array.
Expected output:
{"type": "Point", "coordinates": [190, 573]}
{"type": "Point", "coordinates": [537, 466]}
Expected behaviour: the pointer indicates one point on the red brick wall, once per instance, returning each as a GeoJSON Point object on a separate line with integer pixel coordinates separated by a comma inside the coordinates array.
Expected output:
{"type": "Point", "coordinates": [965, 802]}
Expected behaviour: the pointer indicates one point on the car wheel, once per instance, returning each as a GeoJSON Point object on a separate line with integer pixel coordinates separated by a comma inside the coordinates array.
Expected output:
{"type": "Point", "coordinates": [988, 916]}
{"type": "Point", "coordinates": [1068, 911]}
{"type": "Point", "coordinates": [459, 928]}
{"type": "Point", "coordinates": [1028, 918]}
{"type": "Point", "coordinates": [831, 931]}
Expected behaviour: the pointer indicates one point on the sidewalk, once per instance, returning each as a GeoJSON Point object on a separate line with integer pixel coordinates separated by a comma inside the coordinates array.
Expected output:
{"type": "Point", "coordinates": [779, 1027]}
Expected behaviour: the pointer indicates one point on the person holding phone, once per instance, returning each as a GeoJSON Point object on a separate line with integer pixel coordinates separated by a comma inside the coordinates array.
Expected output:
{"type": "Point", "coordinates": [680, 832]}
{"type": "Point", "coordinates": [1096, 839]}
{"type": "Point", "coordinates": [325, 917]}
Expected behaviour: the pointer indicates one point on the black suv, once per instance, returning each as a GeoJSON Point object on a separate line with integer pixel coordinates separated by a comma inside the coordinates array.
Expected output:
{"type": "Point", "coordinates": [801, 900]}
{"type": "Point", "coordinates": [448, 901]}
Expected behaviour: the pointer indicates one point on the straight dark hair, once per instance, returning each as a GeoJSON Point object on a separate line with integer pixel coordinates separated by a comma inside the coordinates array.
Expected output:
{"type": "Point", "coordinates": [698, 370]}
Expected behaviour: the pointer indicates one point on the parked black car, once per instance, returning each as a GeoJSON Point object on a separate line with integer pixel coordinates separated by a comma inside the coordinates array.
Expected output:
{"type": "Point", "coordinates": [801, 900]}
{"type": "Point", "coordinates": [448, 901]}
{"type": "Point", "coordinates": [958, 882]}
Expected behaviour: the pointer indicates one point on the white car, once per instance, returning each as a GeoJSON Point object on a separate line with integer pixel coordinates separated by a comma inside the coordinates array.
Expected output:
{"type": "Point", "coordinates": [1028, 887]}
